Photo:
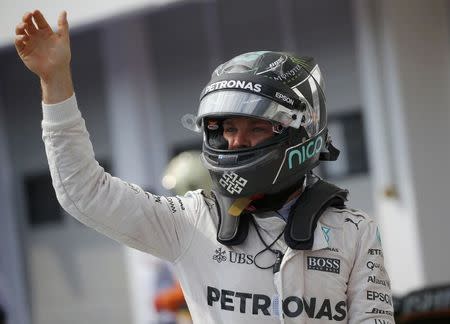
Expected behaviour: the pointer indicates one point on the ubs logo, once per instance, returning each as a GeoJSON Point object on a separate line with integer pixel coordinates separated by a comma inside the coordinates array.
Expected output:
{"type": "Point", "coordinates": [220, 255]}
{"type": "Point", "coordinates": [232, 257]}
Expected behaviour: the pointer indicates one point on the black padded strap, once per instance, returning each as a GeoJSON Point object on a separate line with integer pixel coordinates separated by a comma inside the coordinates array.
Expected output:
{"type": "Point", "coordinates": [305, 213]}
{"type": "Point", "coordinates": [232, 230]}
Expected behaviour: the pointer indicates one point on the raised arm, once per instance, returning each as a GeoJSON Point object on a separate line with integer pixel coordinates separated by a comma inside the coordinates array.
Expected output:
{"type": "Point", "coordinates": [162, 226]}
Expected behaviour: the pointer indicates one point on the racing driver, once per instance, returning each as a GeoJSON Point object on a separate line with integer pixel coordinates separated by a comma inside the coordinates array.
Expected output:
{"type": "Point", "coordinates": [272, 242]}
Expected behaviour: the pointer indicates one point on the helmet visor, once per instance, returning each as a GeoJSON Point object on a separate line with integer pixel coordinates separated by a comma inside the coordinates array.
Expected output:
{"type": "Point", "coordinates": [240, 103]}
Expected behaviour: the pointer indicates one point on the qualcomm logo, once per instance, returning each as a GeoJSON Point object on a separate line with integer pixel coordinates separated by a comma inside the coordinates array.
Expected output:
{"type": "Point", "coordinates": [220, 255]}
{"type": "Point", "coordinates": [232, 182]}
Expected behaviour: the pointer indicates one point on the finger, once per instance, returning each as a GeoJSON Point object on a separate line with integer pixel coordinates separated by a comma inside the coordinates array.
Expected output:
{"type": "Point", "coordinates": [30, 27]}
{"type": "Point", "coordinates": [40, 20]}
{"type": "Point", "coordinates": [63, 25]}
{"type": "Point", "coordinates": [26, 16]}
{"type": "Point", "coordinates": [19, 42]}
{"type": "Point", "coordinates": [20, 29]}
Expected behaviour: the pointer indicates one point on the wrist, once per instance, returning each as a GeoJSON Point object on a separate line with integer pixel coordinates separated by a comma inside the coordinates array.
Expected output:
{"type": "Point", "coordinates": [57, 87]}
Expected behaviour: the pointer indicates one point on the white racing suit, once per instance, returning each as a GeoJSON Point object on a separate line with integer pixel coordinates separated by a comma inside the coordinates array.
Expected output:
{"type": "Point", "coordinates": [341, 279]}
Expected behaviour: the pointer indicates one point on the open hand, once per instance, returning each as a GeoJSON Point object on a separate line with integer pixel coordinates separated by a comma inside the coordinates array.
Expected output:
{"type": "Point", "coordinates": [44, 52]}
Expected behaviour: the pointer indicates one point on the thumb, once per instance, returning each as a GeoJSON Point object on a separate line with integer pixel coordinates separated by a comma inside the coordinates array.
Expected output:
{"type": "Point", "coordinates": [63, 25]}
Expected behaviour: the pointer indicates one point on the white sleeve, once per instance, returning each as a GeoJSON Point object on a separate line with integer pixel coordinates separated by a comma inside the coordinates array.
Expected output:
{"type": "Point", "coordinates": [161, 226]}
{"type": "Point", "coordinates": [369, 289]}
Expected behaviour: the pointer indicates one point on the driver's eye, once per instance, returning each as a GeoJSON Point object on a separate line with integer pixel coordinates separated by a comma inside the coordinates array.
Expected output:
{"type": "Point", "coordinates": [229, 129]}
{"type": "Point", "coordinates": [259, 129]}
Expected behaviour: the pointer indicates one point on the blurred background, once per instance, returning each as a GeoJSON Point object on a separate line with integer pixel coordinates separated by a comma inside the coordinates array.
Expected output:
{"type": "Point", "coordinates": [139, 66]}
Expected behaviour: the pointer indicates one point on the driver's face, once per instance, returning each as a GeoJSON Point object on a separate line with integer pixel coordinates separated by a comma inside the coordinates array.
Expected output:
{"type": "Point", "coordinates": [243, 132]}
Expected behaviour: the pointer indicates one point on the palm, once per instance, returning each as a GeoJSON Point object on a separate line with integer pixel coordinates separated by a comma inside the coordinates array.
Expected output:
{"type": "Point", "coordinates": [45, 52]}
{"type": "Point", "coordinates": [42, 50]}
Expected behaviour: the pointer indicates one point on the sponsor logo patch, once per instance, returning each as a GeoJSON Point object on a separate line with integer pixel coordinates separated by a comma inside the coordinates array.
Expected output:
{"type": "Point", "coordinates": [380, 311]}
{"type": "Point", "coordinates": [326, 232]}
{"type": "Point", "coordinates": [284, 98]}
{"type": "Point", "coordinates": [324, 264]}
{"type": "Point", "coordinates": [375, 252]}
{"type": "Point", "coordinates": [263, 305]}
{"type": "Point", "coordinates": [374, 265]}
{"type": "Point", "coordinates": [349, 220]}
{"type": "Point", "coordinates": [219, 255]}
{"type": "Point", "coordinates": [375, 295]}
{"type": "Point", "coordinates": [301, 153]}
{"type": "Point", "coordinates": [378, 236]}
{"type": "Point", "coordinates": [233, 84]}
{"type": "Point", "coordinates": [377, 281]}
{"type": "Point", "coordinates": [381, 321]}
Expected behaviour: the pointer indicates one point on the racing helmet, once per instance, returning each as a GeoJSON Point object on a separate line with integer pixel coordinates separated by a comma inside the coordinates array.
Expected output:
{"type": "Point", "coordinates": [279, 87]}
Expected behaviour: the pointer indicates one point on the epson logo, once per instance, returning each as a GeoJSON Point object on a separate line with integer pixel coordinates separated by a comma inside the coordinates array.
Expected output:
{"type": "Point", "coordinates": [234, 84]}
{"type": "Point", "coordinates": [324, 264]}
{"type": "Point", "coordinates": [374, 295]}
{"type": "Point", "coordinates": [284, 98]}
{"type": "Point", "coordinates": [291, 306]}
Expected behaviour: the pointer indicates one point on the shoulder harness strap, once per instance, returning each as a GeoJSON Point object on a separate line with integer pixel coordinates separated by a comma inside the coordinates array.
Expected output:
{"type": "Point", "coordinates": [302, 221]}
{"type": "Point", "coordinates": [304, 214]}
{"type": "Point", "coordinates": [232, 230]}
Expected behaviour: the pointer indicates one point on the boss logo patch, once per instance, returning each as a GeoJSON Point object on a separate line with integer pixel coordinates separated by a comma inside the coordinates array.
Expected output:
{"type": "Point", "coordinates": [324, 264]}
